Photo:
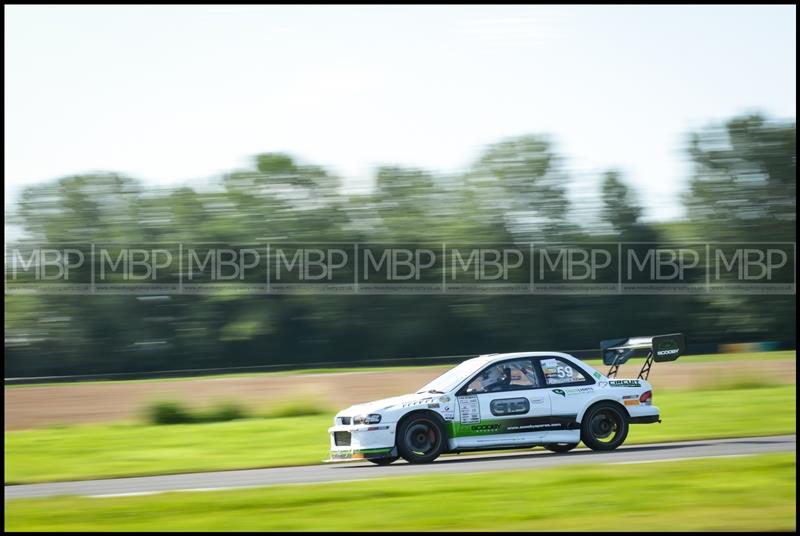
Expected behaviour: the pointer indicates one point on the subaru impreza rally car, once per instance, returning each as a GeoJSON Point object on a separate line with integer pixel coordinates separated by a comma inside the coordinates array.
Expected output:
{"type": "Point", "coordinates": [501, 401]}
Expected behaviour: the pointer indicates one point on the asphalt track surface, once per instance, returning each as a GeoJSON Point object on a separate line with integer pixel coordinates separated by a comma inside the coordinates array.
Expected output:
{"type": "Point", "coordinates": [340, 472]}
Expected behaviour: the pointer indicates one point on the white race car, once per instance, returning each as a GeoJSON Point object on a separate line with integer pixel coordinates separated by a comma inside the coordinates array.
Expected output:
{"type": "Point", "coordinates": [501, 401]}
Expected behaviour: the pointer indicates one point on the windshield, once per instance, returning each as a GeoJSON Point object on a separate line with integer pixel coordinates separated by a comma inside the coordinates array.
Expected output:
{"type": "Point", "coordinates": [450, 379]}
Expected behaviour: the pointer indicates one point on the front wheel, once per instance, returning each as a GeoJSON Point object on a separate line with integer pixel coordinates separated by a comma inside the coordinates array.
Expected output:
{"type": "Point", "coordinates": [420, 439]}
{"type": "Point", "coordinates": [561, 447]}
{"type": "Point", "coordinates": [383, 461]}
{"type": "Point", "coordinates": [604, 427]}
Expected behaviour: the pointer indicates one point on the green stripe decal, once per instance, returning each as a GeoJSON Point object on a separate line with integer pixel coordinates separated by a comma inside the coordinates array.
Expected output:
{"type": "Point", "coordinates": [517, 425]}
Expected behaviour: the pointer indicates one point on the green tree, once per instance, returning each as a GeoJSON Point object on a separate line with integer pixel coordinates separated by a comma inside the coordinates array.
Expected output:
{"type": "Point", "coordinates": [743, 189]}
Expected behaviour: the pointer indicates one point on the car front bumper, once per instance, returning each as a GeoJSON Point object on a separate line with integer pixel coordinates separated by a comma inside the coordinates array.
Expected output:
{"type": "Point", "coordinates": [362, 442]}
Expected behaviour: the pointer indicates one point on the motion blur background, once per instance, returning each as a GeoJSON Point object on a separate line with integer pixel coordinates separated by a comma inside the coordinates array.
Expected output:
{"type": "Point", "coordinates": [391, 125]}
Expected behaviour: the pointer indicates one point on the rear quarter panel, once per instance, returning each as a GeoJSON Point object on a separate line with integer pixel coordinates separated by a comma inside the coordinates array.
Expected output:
{"type": "Point", "coordinates": [625, 392]}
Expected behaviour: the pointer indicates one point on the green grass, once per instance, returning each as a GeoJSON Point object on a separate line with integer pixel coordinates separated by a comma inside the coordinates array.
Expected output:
{"type": "Point", "coordinates": [749, 493]}
{"type": "Point", "coordinates": [83, 452]}
{"type": "Point", "coordinates": [96, 451]}
{"type": "Point", "coordinates": [783, 355]}
{"type": "Point", "coordinates": [720, 413]}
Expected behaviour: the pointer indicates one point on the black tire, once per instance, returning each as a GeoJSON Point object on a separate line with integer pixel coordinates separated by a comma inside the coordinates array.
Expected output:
{"type": "Point", "coordinates": [383, 461]}
{"type": "Point", "coordinates": [420, 438]}
{"type": "Point", "coordinates": [560, 447]}
{"type": "Point", "coordinates": [604, 426]}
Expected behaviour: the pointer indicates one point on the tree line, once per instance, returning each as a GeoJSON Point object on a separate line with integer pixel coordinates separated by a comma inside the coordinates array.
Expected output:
{"type": "Point", "coordinates": [742, 189]}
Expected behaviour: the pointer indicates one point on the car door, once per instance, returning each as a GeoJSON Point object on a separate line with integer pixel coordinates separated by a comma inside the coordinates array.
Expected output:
{"type": "Point", "coordinates": [504, 404]}
{"type": "Point", "coordinates": [569, 387]}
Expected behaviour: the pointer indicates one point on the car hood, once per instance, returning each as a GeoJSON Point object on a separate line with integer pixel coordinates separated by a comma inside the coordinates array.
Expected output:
{"type": "Point", "coordinates": [394, 403]}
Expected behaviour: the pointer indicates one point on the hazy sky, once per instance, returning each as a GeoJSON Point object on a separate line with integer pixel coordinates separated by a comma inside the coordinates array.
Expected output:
{"type": "Point", "coordinates": [180, 94]}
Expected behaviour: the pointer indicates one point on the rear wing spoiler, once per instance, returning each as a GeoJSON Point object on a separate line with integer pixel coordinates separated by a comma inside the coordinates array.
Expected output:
{"type": "Point", "coordinates": [658, 348]}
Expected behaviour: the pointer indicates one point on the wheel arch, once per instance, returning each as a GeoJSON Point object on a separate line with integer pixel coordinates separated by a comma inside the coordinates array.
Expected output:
{"type": "Point", "coordinates": [422, 411]}
{"type": "Point", "coordinates": [594, 403]}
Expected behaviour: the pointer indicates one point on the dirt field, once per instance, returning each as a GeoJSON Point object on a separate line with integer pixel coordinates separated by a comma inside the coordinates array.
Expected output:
{"type": "Point", "coordinates": [29, 407]}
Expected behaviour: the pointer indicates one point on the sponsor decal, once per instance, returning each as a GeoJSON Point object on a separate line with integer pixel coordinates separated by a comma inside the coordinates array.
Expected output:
{"type": "Point", "coordinates": [522, 428]}
{"type": "Point", "coordinates": [625, 383]}
{"type": "Point", "coordinates": [485, 428]}
{"type": "Point", "coordinates": [358, 454]}
{"type": "Point", "coordinates": [340, 455]}
{"type": "Point", "coordinates": [631, 402]}
{"type": "Point", "coordinates": [597, 375]}
{"type": "Point", "coordinates": [602, 384]}
{"type": "Point", "coordinates": [444, 399]}
{"type": "Point", "coordinates": [469, 409]}
{"type": "Point", "coordinates": [433, 405]}
{"type": "Point", "coordinates": [420, 402]}
{"type": "Point", "coordinates": [667, 347]}
{"type": "Point", "coordinates": [509, 406]}
{"type": "Point", "coordinates": [537, 400]}
{"type": "Point", "coordinates": [629, 397]}
{"type": "Point", "coordinates": [447, 412]}
{"type": "Point", "coordinates": [572, 391]}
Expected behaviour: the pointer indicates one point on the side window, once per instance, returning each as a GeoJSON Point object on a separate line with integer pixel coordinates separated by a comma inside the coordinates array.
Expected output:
{"type": "Point", "coordinates": [559, 371]}
{"type": "Point", "coordinates": [505, 376]}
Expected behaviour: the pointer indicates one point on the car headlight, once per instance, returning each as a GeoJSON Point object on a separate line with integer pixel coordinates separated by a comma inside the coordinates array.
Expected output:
{"type": "Point", "coordinates": [372, 418]}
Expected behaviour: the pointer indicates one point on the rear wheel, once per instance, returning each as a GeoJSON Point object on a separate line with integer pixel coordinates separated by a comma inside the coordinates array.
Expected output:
{"type": "Point", "coordinates": [420, 439]}
{"type": "Point", "coordinates": [561, 447]}
{"type": "Point", "coordinates": [383, 461]}
{"type": "Point", "coordinates": [604, 427]}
